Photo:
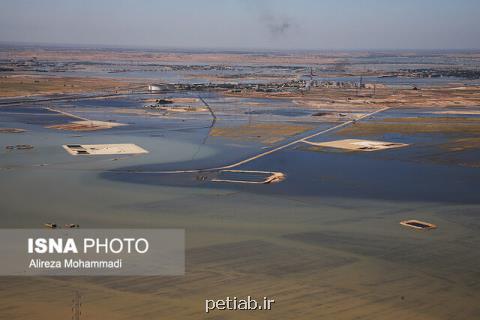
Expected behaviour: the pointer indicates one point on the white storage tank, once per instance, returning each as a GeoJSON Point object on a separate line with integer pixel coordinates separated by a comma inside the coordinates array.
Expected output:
{"type": "Point", "coordinates": [153, 87]}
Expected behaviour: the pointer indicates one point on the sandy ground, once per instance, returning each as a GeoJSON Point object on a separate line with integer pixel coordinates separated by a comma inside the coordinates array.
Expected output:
{"type": "Point", "coordinates": [337, 57]}
{"type": "Point", "coordinates": [25, 85]}
{"type": "Point", "coordinates": [459, 112]}
{"type": "Point", "coordinates": [358, 145]}
{"type": "Point", "coordinates": [333, 98]}
{"type": "Point", "coordinates": [159, 57]}
{"type": "Point", "coordinates": [414, 126]}
{"type": "Point", "coordinates": [86, 125]}
{"type": "Point", "coordinates": [267, 133]}
{"type": "Point", "coordinates": [11, 130]}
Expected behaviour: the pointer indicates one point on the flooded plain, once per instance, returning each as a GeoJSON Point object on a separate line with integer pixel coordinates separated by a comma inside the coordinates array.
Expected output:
{"type": "Point", "coordinates": [325, 241]}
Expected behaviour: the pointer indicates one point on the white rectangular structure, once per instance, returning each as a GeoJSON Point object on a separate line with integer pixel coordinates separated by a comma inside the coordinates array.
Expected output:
{"type": "Point", "coordinates": [103, 149]}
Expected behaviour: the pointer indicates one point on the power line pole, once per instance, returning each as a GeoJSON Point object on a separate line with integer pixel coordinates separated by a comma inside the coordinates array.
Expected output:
{"type": "Point", "coordinates": [76, 304]}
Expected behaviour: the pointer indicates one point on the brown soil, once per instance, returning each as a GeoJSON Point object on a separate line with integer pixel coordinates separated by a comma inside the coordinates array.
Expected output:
{"type": "Point", "coordinates": [414, 126]}
{"type": "Point", "coordinates": [25, 85]}
{"type": "Point", "coordinates": [267, 133]}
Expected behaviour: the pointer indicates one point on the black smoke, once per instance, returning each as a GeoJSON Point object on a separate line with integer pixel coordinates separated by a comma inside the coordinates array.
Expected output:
{"type": "Point", "coordinates": [278, 25]}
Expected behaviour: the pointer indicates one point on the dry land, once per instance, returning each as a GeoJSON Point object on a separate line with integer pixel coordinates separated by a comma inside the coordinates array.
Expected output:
{"type": "Point", "coordinates": [267, 133]}
{"type": "Point", "coordinates": [358, 145]}
{"type": "Point", "coordinates": [86, 125]}
{"type": "Point", "coordinates": [414, 126]}
{"type": "Point", "coordinates": [31, 85]}
{"type": "Point", "coordinates": [343, 99]}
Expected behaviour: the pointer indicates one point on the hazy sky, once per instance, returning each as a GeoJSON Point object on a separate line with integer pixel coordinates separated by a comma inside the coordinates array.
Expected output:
{"type": "Point", "coordinates": [280, 24]}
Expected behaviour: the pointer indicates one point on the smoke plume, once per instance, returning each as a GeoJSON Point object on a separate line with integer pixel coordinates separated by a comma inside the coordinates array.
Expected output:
{"type": "Point", "coordinates": [277, 25]}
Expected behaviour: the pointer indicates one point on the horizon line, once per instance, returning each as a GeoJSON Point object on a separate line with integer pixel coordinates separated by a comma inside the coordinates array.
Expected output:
{"type": "Point", "coordinates": [218, 48]}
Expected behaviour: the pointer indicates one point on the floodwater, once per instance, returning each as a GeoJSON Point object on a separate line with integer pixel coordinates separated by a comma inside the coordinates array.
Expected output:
{"type": "Point", "coordinates": [325, 243]}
